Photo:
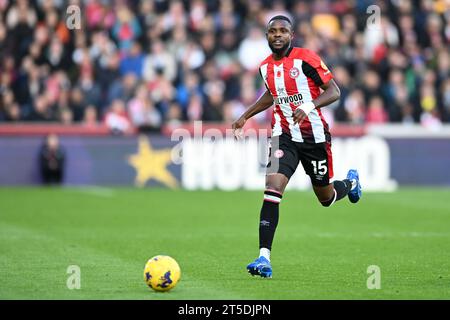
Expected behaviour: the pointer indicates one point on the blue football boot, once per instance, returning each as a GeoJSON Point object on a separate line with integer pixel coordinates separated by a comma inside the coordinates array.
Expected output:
{"type": "Point", "coordinates": [355, 193]}
{"type": "Point", "coordinates": [260, 267]}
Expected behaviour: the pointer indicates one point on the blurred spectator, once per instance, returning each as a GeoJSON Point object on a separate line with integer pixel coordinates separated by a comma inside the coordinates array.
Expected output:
{"type": "Point", "coordinates": [90, 116]}
{"type": "Point", "coordinates": [77, 103]}
{"type": "Point", "coordinates": [90, 90]}
{"type": "Point", "coordinates": [99, 14]}
{"type": "Point", "coordinates": [133, 61]}
{"type": "Point", "coordinates": [66, 116]}
{"type": "Point", "coordinates": [56, 56]}
{"type": "Point", "coordinates": [187, 88]}
{"type": "Point", "coordinates": [52, 158]}
{"type": "Point", "coordinates": [159, 61]}
{"type": "Point", "coordinates": [174, 114]}
{"type": "Point", "coordinates": [232, 110]}
{"type": "Point", "coordinates": [371, 84]}
{"type": "Point", "coordinates": [21, 12]}
{"type": "Point", "coordinates": [377, 35]}
{"type": "Point", "coordinates": [175, 16]}
{"type": "Point", "coordinates": [42, 110]}
{"type": "Point", "coordinates": [191, 56]}
{"type": "Point", "coordinates": [326, 25]}
{"type": "Point", "coordinates": [355, 107]}
{"type": "Point", "coordinates": [9, 109]}
{"type": "Point", "coordinates": [445, 96]}
{"type": "Point", "coordinates": [162, 92]}
{"type": "Point", "coordinates": [376, 112]}
{"type": "Point", "coordinates": [342, 78]}
{"type": "Point", "coordinates": [142, 111]}
{"type": "Point", "coordinates": [195, 108]}
{"type": "Point", "coordinates": [253, 49]}
{"type": "Point", "coordinates": [126, 28]}
{"type": "Point", "coordinates": [430, 120]}
{"type": "Point", "coordinates": [116, 118]}
{"type": "Point", "coordinates": [12, 112]}
{"type": "Point", "coordinates": [122, 88]}
{"type": "Point", "coordinates": [213, 108]}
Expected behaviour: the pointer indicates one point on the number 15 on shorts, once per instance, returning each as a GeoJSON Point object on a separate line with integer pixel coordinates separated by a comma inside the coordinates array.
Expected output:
{"type": "Point", "coordinates": [320, 167]}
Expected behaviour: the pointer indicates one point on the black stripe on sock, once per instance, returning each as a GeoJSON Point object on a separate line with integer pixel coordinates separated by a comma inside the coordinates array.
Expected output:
{"type": "Point", "coordinates": [272, 193]}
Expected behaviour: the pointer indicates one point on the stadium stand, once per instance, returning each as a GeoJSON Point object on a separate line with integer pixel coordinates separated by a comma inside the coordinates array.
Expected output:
{"type": "Point", "coordinates": [148, 65]}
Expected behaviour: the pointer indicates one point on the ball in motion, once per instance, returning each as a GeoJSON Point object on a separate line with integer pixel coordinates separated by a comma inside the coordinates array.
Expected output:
{"type": "Point", "coordinates": [161, 273]}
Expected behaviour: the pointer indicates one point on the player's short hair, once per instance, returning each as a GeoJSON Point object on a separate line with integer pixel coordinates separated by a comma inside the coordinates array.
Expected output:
{"type": "Point", "coordinates": [280, 17]}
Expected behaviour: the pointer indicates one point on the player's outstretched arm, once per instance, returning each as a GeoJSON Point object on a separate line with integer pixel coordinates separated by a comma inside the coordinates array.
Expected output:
{"type": "Point", "coordinates": [330, 94]}
{"type": "Point", "coordinates": [264, 102]}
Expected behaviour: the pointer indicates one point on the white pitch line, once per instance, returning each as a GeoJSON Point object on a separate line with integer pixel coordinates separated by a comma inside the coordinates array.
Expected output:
{"type": "Point", "coordinates": [412, 234]}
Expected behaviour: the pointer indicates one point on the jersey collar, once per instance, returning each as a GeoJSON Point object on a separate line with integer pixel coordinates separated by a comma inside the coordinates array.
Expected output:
{"type": "Point", "coordinates": [288, 52]}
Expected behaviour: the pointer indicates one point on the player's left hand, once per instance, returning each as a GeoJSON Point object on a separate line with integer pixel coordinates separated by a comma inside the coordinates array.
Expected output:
{"type": "Point", "coordinates": [302, 111]}
{"type": "Point", "coordinates": [299, 115]}
{"type": "Point", "coordinates": [237, 127]}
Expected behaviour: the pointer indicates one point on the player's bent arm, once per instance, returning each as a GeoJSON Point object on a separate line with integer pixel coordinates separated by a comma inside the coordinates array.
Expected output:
{"type": "Point", "coordinates": [264, 102]}
{"type": "Point", "coordinates": [330, 94]}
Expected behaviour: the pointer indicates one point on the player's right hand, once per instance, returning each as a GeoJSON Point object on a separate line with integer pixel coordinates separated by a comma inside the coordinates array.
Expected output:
{"type": "Point", "coordinates": [237, 127]}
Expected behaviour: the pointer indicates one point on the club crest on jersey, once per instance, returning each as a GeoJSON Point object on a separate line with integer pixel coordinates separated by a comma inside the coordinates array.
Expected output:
{"type": "Point", "coordinates": [278, 153]}
{"type": "Point", "coordinates": [294, 72]}
{"type": "Point", "coordinates": [278, 74]}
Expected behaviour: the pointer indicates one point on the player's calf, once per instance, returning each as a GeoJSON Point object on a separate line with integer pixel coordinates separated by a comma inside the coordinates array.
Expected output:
{"type": "Point", "coordinates": [330, 201]}
{"type": "Point", "coordinates": [342, 188]}
{"type": "Point", "coordinates": [335, 191]}
{"type": "Point", "coordinates": [268, 220]}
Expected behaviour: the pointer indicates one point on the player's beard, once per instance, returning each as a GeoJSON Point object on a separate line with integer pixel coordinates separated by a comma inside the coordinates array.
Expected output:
{"type": "Point", "coordinates": [279, 50]}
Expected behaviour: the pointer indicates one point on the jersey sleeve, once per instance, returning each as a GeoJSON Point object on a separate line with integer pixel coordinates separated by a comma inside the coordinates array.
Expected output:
{"type": "Point", "coordinates": [314, 68]}
{"type": "Point", "coordinates": [263, 78]}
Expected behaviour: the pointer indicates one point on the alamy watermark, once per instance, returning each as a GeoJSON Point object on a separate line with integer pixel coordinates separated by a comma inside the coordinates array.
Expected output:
{"type": "Point", "coordinates": [210, 136]}
{"type": "Point", "coordinates": [374, 280]}
{"type": "Point", "coordinates": [74, 279]}
{"type": "Point", "coordinates": [374, 20]}
{"type": "Point", "coordinates": [73, 18]}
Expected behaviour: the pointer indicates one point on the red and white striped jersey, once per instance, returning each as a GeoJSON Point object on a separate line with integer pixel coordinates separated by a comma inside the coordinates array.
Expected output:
{"type": "Point", "coordinates": [293, 80]}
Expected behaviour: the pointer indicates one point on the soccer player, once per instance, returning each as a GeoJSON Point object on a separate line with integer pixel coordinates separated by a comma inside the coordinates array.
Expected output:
{"type": "Point", "coordinates": [294, 78]}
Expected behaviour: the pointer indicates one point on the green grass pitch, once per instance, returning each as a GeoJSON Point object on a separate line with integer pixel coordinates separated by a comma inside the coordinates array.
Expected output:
{"type": "Point", "coordinates": [318, 253]}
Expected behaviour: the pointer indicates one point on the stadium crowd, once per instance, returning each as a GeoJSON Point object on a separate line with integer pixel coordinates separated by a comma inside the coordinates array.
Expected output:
{"type": "Point", "coordinates": [143, 64]}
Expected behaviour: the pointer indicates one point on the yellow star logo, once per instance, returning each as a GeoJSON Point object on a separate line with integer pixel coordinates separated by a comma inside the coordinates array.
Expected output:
{"type": "Point", "coordinates": [151, 164]}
